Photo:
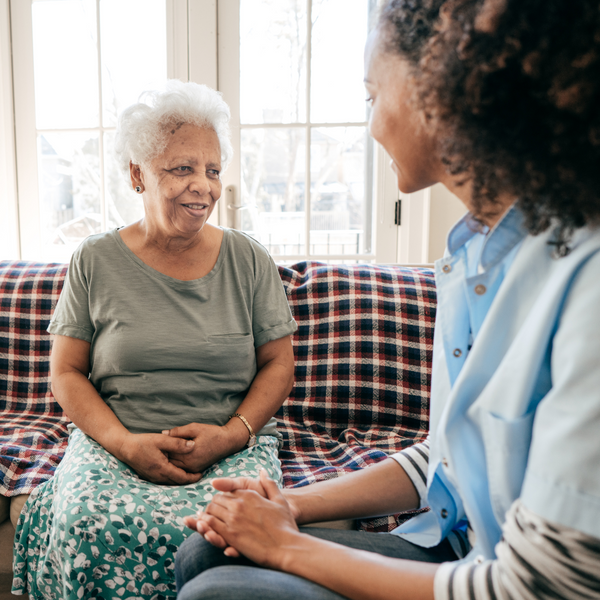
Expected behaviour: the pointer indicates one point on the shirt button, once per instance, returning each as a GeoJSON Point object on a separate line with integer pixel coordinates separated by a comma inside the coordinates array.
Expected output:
{"type": "Point", "coordinates": [444, 513]}
{"type": "Point", "coordinates": [445, 462]}
{"type": "Point", "coordinates": [480, 289]}
{"type": "Point", "coordinates": [457, 352]}
{"type": "Point", "coordinates": [447, 268]}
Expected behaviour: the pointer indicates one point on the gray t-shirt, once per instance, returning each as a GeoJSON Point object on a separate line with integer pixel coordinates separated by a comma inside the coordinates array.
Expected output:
{"type": "Point", "coordinates": [166, 352]}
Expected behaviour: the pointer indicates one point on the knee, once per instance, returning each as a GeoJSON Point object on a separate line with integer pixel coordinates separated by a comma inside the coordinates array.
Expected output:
{"type": "Point", "coordinates": [195, 556]}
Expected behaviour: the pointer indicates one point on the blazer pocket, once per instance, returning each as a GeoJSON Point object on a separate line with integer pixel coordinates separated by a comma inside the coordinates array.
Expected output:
{"type": "Point", "coordinates": [507, 443]}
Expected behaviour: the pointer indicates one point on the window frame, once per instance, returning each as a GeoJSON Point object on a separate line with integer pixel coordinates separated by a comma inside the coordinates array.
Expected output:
{"type": "Point", "coordinates": [199, 48]}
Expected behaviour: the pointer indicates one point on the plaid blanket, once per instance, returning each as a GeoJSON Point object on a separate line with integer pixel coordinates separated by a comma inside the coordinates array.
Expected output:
{"type": "Point", "coordinates": [363, 364]}
{"type": "Point", "coordinates": [363, 354]}
{"type": "Point", "coordinates": [33, 428]}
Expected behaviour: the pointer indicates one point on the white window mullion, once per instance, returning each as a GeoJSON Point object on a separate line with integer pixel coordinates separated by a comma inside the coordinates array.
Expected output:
{"type": "Point", "coordinates": [228, 53]}
{"type": "Point", "coordinates": [26, 138]}
{"type": "Point", "coordinates": [307, 180]}
{"type": "Point", "coordinates": [100, 121]}
{"type": "Point", "coordinates": [9, 224]}
{"type": "Point", "coordinates": [177, 39]}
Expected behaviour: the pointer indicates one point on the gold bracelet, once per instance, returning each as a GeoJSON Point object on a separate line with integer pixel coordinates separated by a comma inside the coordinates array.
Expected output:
{"type": "Point", "coordinates": [252, 438]}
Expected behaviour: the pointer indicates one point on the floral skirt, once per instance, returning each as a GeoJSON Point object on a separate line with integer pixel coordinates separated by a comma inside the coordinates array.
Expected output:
{"type": "Point", "coordinates": [96, 530]}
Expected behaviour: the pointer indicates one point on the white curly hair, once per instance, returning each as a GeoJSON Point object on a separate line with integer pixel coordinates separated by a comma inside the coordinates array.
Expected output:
{"type": "Point", "coordinates": [142, 130]}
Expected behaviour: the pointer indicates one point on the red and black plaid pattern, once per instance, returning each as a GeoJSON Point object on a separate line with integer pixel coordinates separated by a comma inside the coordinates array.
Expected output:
{"type": "Point", "coordinates": [363, 364]}
{"type": "Point", "coordinates": [363, 354]}
{"type": "Point", "coordinates": [33, 428]}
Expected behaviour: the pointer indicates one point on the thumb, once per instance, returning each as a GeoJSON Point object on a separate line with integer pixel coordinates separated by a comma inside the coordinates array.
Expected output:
{"type": "Point", "coordinates": [175, 444]}
{"type": "Point", "coordinates": [270, 487]}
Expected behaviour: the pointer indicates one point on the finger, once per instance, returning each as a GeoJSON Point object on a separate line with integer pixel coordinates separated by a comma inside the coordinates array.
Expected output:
{"type": "Point", "coordinates": [230, 484]}
{"type": "Point", "coordinates": [178, 476]}
{"type": "Point", "coordinates": [185, 431]}
{"type": "Point", "coordinates": [215, 539]}
{"type": "Point", "coordinates": [231, 552]}
{"type": "Point", "coordinates": [271, 488]}
{"type": "Point", "coordinates": [191, 522]}
{"type": "Point", "coordinates": [175, 445]}
{"type": "Point", "coordinates": [177, 462]}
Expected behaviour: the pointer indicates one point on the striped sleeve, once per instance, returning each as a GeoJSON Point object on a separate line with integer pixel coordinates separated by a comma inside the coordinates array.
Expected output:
{"type": "Point", "coordinates": [537, 560]}
{"type": "Point", "coordinates": [414, 461]}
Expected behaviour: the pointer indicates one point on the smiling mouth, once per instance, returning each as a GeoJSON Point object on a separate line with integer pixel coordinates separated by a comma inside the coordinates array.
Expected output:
{"type": "Point", "coordinates": [195, 206]}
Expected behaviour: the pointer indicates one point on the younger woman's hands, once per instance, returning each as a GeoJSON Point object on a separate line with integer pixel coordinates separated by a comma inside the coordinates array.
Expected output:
{"type": "Point", "coordinates": [147, 454]}
{"type": "Point", "coordinates": [251, 518]}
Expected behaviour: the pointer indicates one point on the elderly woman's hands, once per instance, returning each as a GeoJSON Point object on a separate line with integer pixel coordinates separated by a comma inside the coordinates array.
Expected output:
{"type": "Point", "coordinates": [147, 454]}
{"type": "Point", "coordinates": [211, 444]}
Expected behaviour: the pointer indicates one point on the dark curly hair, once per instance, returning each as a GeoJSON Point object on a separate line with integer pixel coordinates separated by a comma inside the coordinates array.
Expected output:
{"type": "Point", "coordinates": [512, 88]}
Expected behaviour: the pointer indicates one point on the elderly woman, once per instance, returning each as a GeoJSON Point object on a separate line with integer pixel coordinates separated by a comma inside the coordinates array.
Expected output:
{"type": "Point", "coordinates": [171, 354]}
{"type": "Point", "coordinates": [498, 100]}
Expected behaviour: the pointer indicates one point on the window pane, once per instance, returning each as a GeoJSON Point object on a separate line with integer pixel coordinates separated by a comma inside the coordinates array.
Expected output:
{"type": "Point", "coordinates": [341, 203]}
{"type": "Point", "coordinates": [69, 180]}
{"type": "Point", "coordinates": [123, 205]}
{"type": "Point", "coordinates": [65, 63]}
{"type": "Point", "coordinates": [273, 171]}
{"type": "Point", "coordinates": [134, 52]}
{"type": "Point", "coordinates": [272, 61]}
{"type": "Point", "coordinates": [337, 64]}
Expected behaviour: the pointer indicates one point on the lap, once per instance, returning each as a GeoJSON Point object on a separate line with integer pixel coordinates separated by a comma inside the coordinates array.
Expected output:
{"type": "Point", "coordinates": [97, 516]}
{"type": "Point", "coordinates": [203, 571]}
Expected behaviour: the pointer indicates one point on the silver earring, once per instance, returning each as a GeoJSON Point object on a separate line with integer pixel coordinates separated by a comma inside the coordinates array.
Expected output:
{"type": "Point", "coordinates": [138, 189]}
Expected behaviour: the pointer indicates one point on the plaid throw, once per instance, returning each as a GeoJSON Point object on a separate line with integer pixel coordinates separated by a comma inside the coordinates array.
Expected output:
{"type": "Point", "coordinates": [363, 367]}
{"type": "Point", "coordinates": [363, 364]}
{"type": "Point", "coordinates": [33, 428]}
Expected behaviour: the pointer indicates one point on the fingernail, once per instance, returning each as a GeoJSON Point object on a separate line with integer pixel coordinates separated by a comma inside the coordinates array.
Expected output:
{"type": "Point", "coordinates": [165, 432]}
{"type": "Point", "coordinates": [189, 443]}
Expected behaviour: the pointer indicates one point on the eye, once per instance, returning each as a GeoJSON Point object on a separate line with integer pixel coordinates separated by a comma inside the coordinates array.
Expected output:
{"type": "Point", "coordinates": [369, 100]}
{"type": "Point", "coordinates": [214, 172]}
{"type": "Point", "coordinates": [182, 169]}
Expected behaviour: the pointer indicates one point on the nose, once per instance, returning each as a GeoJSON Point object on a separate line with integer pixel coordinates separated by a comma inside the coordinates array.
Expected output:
{"type": "Point", "coordinates": [200, 183]}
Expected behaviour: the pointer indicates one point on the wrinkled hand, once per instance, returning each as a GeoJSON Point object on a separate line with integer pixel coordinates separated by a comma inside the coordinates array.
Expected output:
{"type": "Point", "coordinates": [251, 523]}
{"type": "Point", "coordinates": [211, 444]}
{"type": "Point", "coordinates": [147, 454]}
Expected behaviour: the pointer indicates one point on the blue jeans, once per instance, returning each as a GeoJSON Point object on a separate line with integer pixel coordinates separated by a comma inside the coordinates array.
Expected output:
{"type": "Point", "coordinates": [204, 572]}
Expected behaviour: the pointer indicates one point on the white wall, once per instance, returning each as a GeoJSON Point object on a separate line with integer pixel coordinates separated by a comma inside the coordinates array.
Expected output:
{"type": "Point", "coordinates": [444, 210]}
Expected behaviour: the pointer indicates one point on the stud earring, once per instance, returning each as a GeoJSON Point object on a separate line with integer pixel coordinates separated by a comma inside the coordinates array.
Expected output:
{"type": "Point", "coordinates": [138, 189]}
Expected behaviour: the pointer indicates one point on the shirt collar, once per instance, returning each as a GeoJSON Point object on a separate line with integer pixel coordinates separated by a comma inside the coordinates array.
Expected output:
{"type": "Point", "coordinates": [500, 240]}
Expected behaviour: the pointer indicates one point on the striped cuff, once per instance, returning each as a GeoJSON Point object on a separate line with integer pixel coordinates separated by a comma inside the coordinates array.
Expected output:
{"type": "Point", "coordinates": [414, 461]}
{"type": "Point", "coordinates": [470, 581]}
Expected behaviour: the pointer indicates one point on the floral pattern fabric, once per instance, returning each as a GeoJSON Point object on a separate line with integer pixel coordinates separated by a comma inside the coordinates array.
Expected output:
{"type": "Point", "coordinates": [96, 530]}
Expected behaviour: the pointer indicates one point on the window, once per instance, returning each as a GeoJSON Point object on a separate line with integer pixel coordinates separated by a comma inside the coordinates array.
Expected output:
{"type": "Point", "coordinates": [88, 63]}
{"type": "Point", "coordinates": [303, 184]}
{"type": "Point", "coordinates": [306, 180]}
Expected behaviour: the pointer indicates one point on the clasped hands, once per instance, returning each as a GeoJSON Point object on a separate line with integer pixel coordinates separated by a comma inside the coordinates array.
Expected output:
{"type": "Point", "coordinates": [177, 456]}
{"type": "Point", "coordinates": [249, 517]}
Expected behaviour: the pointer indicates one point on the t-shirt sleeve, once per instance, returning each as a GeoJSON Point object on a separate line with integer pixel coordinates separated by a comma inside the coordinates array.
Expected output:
{"type": "Point", "coordinates": [71, 317]}
{"type": "Point", "coordinates": [271, 315]}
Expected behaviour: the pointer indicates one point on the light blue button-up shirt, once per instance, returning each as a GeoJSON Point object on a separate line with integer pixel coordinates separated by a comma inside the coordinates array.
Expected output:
{"type": "Point", "coordinates": [515, 399]}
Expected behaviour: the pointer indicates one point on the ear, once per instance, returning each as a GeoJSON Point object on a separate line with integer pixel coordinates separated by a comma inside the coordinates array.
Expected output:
{"type": "Point", "coordinates": [136, 175]}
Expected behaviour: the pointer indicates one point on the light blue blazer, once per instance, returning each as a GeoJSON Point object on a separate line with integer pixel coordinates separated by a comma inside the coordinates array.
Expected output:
{"type": "Point", "coordinates": [519, 414]}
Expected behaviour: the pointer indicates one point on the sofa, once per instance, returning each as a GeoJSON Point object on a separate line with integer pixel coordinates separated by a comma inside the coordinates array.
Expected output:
{"type": "Point", "coordinates": [363, 354]}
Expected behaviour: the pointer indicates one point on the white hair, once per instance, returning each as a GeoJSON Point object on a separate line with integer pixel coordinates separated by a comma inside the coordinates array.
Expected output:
{"type": "Point", "coordinates": [142, 130]}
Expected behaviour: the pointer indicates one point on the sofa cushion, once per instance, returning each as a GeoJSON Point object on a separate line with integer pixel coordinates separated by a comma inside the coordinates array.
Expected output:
{"type": "Point", "coordinates": [33, 428]}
